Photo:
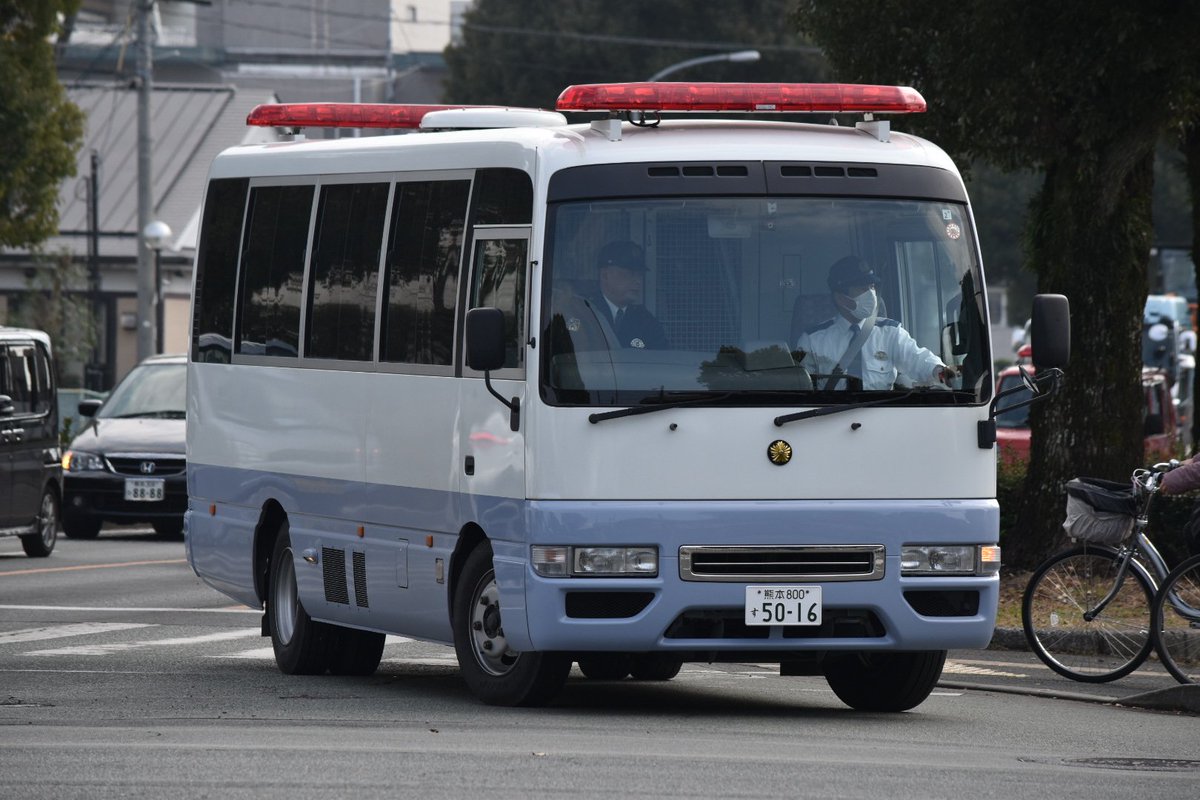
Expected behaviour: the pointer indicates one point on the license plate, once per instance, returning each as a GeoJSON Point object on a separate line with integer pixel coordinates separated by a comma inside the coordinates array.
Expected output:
{"type": "Point", "coordinates": [783, 605]}
{"type": "Point", "coordinates": [144, 489]}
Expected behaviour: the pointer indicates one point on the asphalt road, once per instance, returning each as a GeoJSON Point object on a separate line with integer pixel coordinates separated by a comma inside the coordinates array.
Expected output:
{"type": "Point", "coordinates": [123, 675]}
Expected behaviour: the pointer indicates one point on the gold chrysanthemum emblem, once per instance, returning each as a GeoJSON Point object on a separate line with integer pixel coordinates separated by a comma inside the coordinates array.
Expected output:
{"type": "Point", "coordinates": [780, 452]}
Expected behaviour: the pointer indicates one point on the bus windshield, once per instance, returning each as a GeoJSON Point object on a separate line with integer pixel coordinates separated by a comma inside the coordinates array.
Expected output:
{"type": "Point", "coordinates": [762, 300]}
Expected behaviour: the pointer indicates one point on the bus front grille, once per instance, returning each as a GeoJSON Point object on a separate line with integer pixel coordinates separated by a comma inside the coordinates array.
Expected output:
{"type": "Point", "coordinates": [768, 563]}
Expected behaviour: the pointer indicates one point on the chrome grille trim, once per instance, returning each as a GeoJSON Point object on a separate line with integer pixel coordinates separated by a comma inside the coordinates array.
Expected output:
{"type": "Point", "coordinates": [773, 564]}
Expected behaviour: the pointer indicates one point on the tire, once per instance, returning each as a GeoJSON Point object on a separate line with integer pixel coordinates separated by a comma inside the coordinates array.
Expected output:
{"type": "Point", "coordinates": [355, 652]}
{"type": "Point", "coordinates": [41, 544]}
{"type": "Point", "coordinates": [1176, 622]}
{"type": "Point", "coordinates": [302, 646]}
{"type": "Point", "coordinates": [496, 674]}
{"type": "Point", "coordinates": [883, 681]}
{"type": "Point", "coordinates": [169, 529]}
{"type": "Point", "coordinates": [606, 666]}
{"type": "Point", "coordinates": [80, 527]}
{"type": "Point", "coordinates": [1102, 649]}
{"type": "Point", "coordinates": [655, 667]}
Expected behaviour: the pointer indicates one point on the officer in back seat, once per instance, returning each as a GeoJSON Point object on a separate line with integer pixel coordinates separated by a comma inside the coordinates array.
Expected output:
{"type": "Point", "coordinates": [857, 346]}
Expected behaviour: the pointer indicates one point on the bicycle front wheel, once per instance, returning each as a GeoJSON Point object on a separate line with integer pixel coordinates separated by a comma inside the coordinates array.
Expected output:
{"type": "Point", "coordinates": [1063, 627]}
{"type": "Point", "coordinates": [1177, 621]}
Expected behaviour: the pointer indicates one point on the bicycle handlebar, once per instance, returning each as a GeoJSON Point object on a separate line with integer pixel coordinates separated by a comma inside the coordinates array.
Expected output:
{"type": "Point", "coordinates": [1147, 479]}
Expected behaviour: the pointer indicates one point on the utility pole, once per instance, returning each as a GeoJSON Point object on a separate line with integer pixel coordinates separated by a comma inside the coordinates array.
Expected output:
{"type": "Point", "coordinates": [146, 333]}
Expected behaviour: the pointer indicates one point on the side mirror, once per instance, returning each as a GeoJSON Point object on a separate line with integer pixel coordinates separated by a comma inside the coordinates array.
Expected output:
{"type": "Point", "coordinates": [486, 352]}
{"type": "Point", "coordinates": [485, 339]}
{"type": "Point", "coordinates": [1050, 331]}
{"type": "Point", "coordinates": [88, 408]}
{"type": "Point", "coordinates": [7, 409]}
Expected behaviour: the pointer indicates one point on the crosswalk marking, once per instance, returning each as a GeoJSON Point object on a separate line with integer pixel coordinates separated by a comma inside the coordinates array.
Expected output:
{"type": "Point", "coordinates": [61, 631]}
{"type": "Point", "coordinates": [108, 649]}
{"type": "Point", "coordinates": [258, 652]}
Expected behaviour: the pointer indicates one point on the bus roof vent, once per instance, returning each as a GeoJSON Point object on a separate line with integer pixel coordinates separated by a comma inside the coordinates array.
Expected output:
{"type": "Point", "coordinates": [459, 118]}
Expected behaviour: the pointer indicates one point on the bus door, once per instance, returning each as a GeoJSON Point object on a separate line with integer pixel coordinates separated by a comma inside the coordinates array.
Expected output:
{"type": "Point", "coordinates": [492, 453]}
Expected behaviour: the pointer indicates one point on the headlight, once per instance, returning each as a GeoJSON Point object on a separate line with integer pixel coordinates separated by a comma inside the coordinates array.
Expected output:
{"type": "Point", "coordinates": [560, 561]}
{"type": "Point", "coordinates": [75, 461]}
{"type": "Point", "coordinates": [953, 559]}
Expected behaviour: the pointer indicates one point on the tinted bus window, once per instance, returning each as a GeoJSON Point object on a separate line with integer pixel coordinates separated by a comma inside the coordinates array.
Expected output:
{"type": "Point", "coordinates": [216, 270]}
{"type": "Point", "coordinates": [345, 269]}
{"type": "Point", "coordinates": [500, 283]}
{"type": "Point", "coordinates": [273, 270]}
{"type": "Point", "coordinates": [423, 258]}
{"type": "Point", "coordinates": [502, 197]}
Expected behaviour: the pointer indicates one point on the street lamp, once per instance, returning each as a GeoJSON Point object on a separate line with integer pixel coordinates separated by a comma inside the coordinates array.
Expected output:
{"type": "Point", "coordinates": [156, 234]}
{"type": "Point", "coordinates": [741, 56]}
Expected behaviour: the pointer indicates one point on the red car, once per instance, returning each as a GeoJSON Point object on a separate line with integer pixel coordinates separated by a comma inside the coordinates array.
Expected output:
{"type": "Point", "coordinates": [1012, 424]}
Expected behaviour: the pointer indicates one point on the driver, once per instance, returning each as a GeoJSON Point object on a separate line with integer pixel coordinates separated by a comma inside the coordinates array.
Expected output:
{"type": "Point", "coordinates": [839, 345]}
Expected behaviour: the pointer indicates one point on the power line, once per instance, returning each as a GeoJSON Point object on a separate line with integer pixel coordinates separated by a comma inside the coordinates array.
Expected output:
{"type": "Point", "coordinates": [641, 40]}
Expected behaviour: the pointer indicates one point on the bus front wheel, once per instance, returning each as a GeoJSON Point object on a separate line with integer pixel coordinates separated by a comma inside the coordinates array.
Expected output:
{"type": "Point", "coordinates": [883, 681]}
{"type": "Point", "coordinates": [494, 672]}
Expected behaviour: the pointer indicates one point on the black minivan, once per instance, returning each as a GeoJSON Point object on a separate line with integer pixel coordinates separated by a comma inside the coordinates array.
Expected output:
{"type": "Point", "coordinates": [30, 468]}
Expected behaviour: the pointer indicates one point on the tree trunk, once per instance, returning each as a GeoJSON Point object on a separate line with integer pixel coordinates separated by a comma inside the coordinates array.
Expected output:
{"type": "Point", "coordinates": [1191, 151]}
{"type": "Point", "coordinates": [1089, 240]}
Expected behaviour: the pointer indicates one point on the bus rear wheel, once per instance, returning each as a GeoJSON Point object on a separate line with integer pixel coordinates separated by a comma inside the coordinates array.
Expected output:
{"type": "Point", "coordinates": [606, 666]}
{"type": "Point", "coordinates": [494, 672]}
{"type": "Point", "coordinates": [355, 652]}
{"type": "Point", "coordinates": [302, 646]}
{"type": "Point", "coordinates": [655, 666]}
{"type": "Point", "coordinates": [874, 681]}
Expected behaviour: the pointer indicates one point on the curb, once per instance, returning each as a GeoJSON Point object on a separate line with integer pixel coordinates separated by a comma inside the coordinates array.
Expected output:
{"type": "Point", "coordinates": [1182, 698]}
{"type": "Point", "coordinates": [1174, 698]}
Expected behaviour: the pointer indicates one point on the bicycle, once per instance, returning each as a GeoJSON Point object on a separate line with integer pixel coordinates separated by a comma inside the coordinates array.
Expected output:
{"type": "Point", "coordinates": [1088, 610]}
{"type": "Point", "coordinates": [1177, 634]}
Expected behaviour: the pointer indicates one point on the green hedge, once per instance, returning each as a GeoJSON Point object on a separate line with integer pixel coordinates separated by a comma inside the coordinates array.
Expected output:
{"type": "Point", "coordinates": [1167, 516]}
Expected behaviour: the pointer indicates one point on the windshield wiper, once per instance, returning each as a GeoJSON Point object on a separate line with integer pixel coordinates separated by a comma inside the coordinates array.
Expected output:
{"type": "Point", "coordinates": [659, 402]}
{"type": "Point", "coordinates": [165, 414]}
{"type": "Point", "coordinates": [826, 410]}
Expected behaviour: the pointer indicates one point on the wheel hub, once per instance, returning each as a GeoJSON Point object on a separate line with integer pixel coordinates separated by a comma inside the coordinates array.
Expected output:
{"type": "Point", "coordinates": [487, 631]}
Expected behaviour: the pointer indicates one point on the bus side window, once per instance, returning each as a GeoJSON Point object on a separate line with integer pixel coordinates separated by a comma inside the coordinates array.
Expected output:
{"type": "Point", "coordinates": [216, 269]}
{"type": "Point", "coordinates": [421, 272]}
{"type": "Point", "coordinates": [272, 279]}
{"type": "Point", "coordinates": [498, 281]}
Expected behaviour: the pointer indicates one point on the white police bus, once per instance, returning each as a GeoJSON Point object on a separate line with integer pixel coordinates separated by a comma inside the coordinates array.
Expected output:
{"type": "Point", "coordinates": [413, 408]}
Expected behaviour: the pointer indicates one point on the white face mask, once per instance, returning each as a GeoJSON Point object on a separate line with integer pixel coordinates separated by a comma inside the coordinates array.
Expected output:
{"type": "Point", "coordinates": [864, 305]}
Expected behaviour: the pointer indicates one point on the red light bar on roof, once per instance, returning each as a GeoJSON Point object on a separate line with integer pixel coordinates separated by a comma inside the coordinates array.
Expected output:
{"type": "Point", "coordinates": [343, 115]}
{"type": "Point", "coordinates": [745, 97]}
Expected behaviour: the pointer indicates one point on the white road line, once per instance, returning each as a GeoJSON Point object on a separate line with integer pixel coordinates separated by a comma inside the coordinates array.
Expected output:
{"type": "Point", "coordinates": [257, 653]}
{"type": "Point", "coordinates": [60, 631]}
{"type": "Point", "coordinates": [128, 609]}
{"type": "Point", "coordinates": [960, 668]}
{"type": "Point", "coordinates": [119, 647]}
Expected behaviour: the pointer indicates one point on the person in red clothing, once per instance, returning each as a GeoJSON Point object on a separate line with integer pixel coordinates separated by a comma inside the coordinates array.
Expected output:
{"type": "Point", "coordinates": [1183, 478]}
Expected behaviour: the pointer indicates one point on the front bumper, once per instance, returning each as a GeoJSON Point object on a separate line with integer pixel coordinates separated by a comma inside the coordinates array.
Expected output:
{"type": "Point", "coordinates": [101, 496]}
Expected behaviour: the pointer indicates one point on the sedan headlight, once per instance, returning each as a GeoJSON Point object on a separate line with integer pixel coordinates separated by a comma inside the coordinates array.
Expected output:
{"type": "Point", "coordinates": [76, 461]}
{"type": "Point", "coordinates": [949, 559]}
{"type": "Point", "coordinates": [561, 561]}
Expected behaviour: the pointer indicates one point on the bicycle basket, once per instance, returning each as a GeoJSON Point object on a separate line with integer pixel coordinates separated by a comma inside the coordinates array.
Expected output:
{"type": "Point", "coordinates": [1099, 511]}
